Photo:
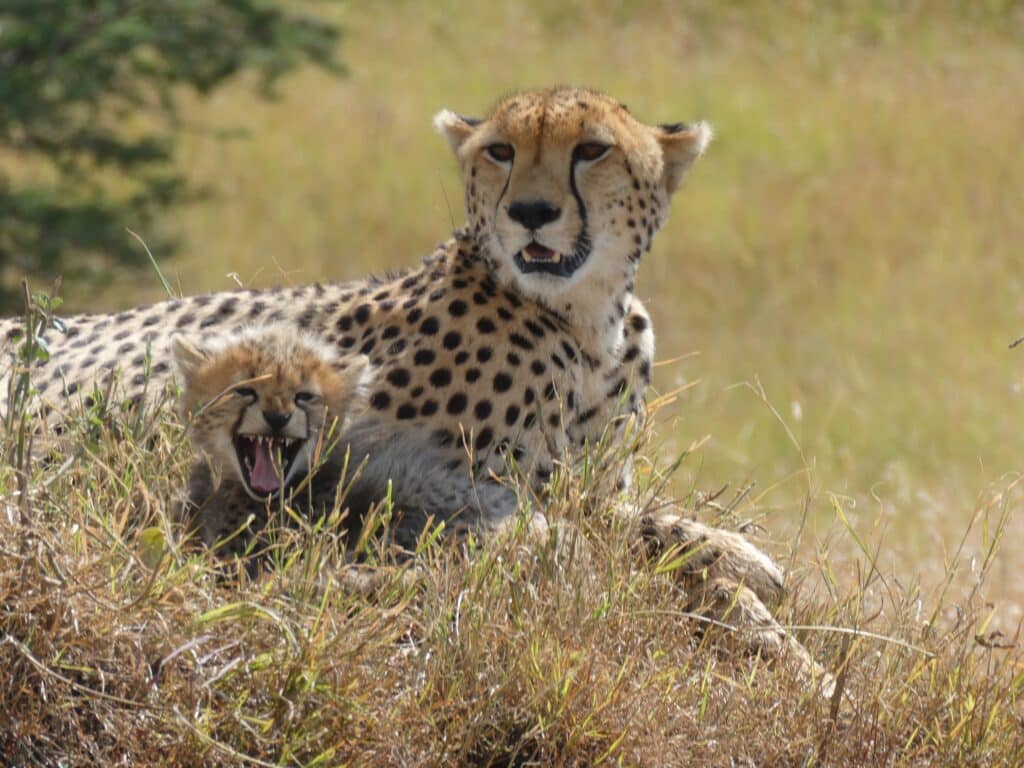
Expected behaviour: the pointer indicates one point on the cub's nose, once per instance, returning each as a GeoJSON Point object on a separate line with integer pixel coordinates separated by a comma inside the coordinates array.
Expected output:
{"type": "Point", "coordinates": [534, 215]}
{"type": "Point", "coordinates": [276, 420]}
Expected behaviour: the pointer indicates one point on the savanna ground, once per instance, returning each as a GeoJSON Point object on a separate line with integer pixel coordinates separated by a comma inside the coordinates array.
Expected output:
{"type": "Point", "coordinates": [834, 298]}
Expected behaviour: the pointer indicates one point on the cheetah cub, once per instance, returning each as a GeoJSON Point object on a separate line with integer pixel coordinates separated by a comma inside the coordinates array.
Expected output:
{"type": "Point", "coordinates": [275, 413]}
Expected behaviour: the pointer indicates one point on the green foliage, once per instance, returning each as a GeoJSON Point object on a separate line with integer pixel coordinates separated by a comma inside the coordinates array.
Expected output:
{"type": "Point", "coordinates": [90, 92]}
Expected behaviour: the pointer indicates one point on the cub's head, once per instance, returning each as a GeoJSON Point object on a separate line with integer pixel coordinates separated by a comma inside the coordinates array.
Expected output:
{"type": "Point", "coordinates": [565, 188]}
{"type": "Point", "coordinates": [261, 401]}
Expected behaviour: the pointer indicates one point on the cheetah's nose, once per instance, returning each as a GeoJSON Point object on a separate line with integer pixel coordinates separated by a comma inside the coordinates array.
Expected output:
{"type": "Point", "coordinates": [534, 215]}
{"type": "Point", "coordinates": [276, 420]}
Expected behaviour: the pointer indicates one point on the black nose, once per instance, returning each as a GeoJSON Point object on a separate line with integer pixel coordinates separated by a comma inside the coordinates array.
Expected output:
{"type": "Point", "coordinates": [534, 215]}
{"type": "Point", "coordinates": [276, 420]}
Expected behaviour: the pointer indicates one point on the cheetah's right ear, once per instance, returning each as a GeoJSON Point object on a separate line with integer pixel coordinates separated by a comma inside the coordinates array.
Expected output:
{"type": "Point", "coordinates": [455, 128]}
{"type": "Point", "coordinates": [187, 357]}
{"type": "Point", "coordinates": [681, 145]}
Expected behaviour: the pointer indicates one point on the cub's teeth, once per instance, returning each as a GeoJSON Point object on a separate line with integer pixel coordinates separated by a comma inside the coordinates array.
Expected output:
{"type": "Point", "coordinates": [556, 257]}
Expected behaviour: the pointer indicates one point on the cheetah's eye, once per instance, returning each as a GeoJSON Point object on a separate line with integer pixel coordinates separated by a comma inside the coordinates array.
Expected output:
{"type": "Point", "coordinates": [501, 153]}
{"type": "Point", "coordinates": [304, 397]}
{"type": "Point", "coordinates": [589, 151]}
{"type": "Point", "coordinates": [245, 392]}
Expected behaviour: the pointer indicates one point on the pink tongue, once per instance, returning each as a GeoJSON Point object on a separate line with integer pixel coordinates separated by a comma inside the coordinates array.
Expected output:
{"type": "Point", "coordinates": [265, 477]}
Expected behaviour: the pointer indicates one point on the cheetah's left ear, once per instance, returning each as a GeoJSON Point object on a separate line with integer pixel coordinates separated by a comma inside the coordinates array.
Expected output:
{"type": "Point", "coordinates": [681, 144]}
{"type": "Point", "coordinates": [455, 128]}
{"type": "Point", "coordinates": [187, 357]}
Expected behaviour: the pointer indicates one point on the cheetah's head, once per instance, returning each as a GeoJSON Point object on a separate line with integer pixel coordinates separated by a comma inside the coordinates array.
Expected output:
{"type": "Point", "coordinates": [565, 188]}
{"type": "Point", "coordinates": [261, 403]}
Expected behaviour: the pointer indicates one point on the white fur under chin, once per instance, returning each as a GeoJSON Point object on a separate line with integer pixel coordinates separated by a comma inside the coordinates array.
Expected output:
{"type": "Point", "coordinates": [591, 292]}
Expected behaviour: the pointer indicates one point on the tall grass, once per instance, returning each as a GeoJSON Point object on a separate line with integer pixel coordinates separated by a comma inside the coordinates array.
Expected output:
{"type": "Point", "coordinates": [123, 642]}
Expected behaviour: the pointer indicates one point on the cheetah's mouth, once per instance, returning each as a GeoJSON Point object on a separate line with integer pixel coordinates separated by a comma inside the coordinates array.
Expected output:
{"type": "Point", "coordinates": [538, 258]}
{"type": "Point", "coordinates": [266, 461]}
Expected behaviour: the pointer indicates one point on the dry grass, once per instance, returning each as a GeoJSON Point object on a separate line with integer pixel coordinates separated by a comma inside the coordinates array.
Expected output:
{"type": "Point", "coordinates": [123, 643]}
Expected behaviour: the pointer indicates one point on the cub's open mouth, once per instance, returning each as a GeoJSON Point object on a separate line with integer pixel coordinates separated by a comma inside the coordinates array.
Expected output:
{"type": "Point", "coordinates": [266, 460]}
{"type": "Point", "coordinates": [538, 258]}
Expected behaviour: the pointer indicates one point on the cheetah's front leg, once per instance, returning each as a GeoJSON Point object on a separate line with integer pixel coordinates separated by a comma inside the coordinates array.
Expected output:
{"type": "Point", "coordinates": [707, 554]}
{"type": "Point", "coordinates": [731, 583]}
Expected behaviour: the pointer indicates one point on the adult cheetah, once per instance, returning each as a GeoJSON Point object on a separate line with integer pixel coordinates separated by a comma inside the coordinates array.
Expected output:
{"type": "Point", "coordinates": [521, 335]}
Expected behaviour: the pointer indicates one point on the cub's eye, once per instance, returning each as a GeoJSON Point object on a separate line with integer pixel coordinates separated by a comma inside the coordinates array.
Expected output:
{"type": "Point", "coordinates": [501, 153]}
{"type": "Point", "coordinates": [245, 392]}
{"type": "Point", "coordinates": [304, 397]}
{"type": "Point", "coordinates": [589, 151]}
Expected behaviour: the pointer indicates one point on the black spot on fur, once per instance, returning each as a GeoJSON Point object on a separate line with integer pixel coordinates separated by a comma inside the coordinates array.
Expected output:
{"type": "Point", "coordinates": [452, 339]}
{"type": "Point", "coordinates": [457, 404]}
{"type": "Point", "coordinates": [520, 341]}
{"type": "Point", "coordinates": [441, 377]}
{"type": "Point", "coordinates": [511, 415]}
{"type": "Point", "coordinates": [534, 329]}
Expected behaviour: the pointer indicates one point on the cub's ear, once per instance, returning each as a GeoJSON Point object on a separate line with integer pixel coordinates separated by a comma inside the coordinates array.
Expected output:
{"type": "Point", "coordinates": [188, 358]}
{"type": "Point", "coordinates": [681, 144]}
{"type": "Point", "coordinates": [455, 128]}
{"type": "Point", "coordinates": [352, 378]}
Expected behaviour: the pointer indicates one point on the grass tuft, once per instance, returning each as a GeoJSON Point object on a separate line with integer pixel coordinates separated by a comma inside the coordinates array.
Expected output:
{"type": "Point", "coordinates": [122, 641]}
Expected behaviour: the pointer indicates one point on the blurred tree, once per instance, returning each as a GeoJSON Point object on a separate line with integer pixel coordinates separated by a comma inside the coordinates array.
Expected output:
{"type": "Point", "coordinates": [88, 115]}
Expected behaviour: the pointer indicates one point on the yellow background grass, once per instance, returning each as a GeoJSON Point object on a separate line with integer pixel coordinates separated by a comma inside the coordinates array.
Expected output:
{"type": "Point", "coordinates": [853, 240]}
